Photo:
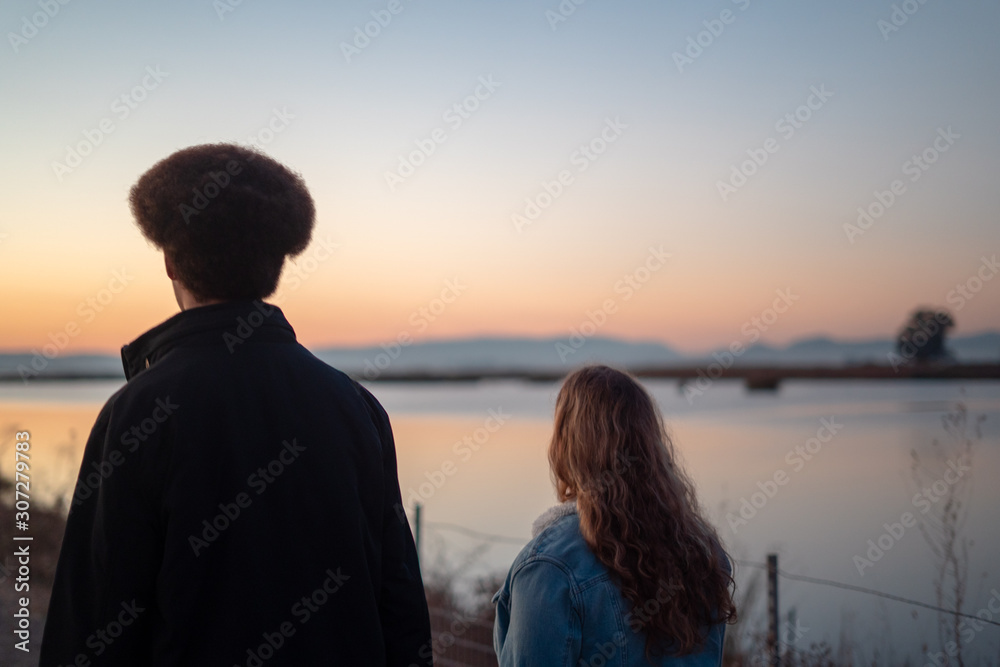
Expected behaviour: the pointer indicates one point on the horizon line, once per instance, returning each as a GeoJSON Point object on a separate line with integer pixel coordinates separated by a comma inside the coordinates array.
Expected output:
{"type": "Point", "coordinates": [323, 347]}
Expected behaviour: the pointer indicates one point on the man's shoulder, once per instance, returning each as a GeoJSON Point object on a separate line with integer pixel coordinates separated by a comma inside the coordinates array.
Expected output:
{"type": "Point", "coordinates": [344, 382]}
{"type": "Point", "coordinates": [202, 375]}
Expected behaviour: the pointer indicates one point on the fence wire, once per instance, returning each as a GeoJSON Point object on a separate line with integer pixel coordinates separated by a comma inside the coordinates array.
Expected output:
{"type": "Point", "coordinates": [474, 648]}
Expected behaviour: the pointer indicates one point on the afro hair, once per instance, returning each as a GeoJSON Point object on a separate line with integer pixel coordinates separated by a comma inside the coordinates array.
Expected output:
{"type": "Point", "coordinates": [226, 216]}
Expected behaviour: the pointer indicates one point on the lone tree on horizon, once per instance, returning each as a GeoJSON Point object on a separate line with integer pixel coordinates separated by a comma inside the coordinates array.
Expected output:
{"type": "Point", "coordinates": [922, 338]}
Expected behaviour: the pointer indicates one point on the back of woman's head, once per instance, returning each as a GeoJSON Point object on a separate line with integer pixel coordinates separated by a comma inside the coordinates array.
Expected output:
{"type": "Point", "coordinates": [638, 509]}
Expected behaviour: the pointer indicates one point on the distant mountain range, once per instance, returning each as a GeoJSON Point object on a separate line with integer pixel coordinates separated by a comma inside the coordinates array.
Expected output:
{"type": "Point", "coordinates": [547, 354]}
{"type": "Point", "coordinates": [561, 353]}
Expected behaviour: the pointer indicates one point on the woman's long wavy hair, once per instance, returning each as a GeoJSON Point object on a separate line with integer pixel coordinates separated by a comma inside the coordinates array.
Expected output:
{"type": "Point", "coordinates": [638, 511]}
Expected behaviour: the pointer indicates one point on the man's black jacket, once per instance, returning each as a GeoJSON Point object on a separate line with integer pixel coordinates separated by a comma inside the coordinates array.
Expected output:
{"type": "Point", "coordinates": [237, 504]}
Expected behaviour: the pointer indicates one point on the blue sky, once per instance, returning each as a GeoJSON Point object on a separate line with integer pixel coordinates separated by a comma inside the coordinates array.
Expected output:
{"type": "Point", "coordinates": [227, 75]}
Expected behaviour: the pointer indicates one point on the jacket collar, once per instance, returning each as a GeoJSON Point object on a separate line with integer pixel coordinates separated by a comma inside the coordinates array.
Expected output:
{"type": "Point", "coordinates": [551, 515]}
{"type": "Point", "coordinates": [228, 324]}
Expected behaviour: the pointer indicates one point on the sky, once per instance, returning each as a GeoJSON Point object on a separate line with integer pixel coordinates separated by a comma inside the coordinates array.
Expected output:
{"type": "Point", "coordinates": [664, 171]}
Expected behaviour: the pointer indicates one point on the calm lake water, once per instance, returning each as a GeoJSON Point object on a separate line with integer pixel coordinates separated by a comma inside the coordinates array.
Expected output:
{"type": "Point", "coordinates": [811, 472]}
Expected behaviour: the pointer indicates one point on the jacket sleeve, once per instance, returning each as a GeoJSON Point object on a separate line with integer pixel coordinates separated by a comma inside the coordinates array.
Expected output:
{"type": "Point", "coordinates": [101, 605]}
{"type": "Point", "coordinates": [537, 623]}
{"type": "Point", "coordinates": [403, 611]}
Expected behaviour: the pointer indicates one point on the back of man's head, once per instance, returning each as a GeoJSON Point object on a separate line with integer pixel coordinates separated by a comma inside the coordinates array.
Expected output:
{"type": "Point", "coordinates": [226, 217]}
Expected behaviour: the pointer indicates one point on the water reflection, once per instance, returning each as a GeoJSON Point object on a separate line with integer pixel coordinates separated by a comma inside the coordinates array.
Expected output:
{"type": "Point", "coordinates": [817, 473]}
{"type": "Point", "coordinates": [58, 436]}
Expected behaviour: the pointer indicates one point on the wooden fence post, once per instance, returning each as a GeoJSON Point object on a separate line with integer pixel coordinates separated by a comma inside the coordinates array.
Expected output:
{"type": "Point", "coordinates": [773, 637]}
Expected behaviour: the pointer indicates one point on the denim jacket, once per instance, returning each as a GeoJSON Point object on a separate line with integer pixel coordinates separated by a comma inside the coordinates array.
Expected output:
{"type": "Point", "coordinates": [559, 607]}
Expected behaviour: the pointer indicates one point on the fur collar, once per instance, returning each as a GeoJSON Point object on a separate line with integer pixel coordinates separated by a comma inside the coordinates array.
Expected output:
{"type": "Point", "coordinates": [551, 515]}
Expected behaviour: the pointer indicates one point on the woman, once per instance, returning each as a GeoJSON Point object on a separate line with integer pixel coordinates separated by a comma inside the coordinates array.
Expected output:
{"type": "Point", "coordinates": [625, 571]}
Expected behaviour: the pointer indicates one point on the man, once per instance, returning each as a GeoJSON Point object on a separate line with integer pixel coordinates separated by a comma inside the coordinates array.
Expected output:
{"type": "Point", "coordinates": [237, 499]}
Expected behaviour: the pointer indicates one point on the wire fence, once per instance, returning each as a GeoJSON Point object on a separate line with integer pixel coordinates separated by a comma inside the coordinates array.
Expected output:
{"type": "Point", "coordinates": [461, 639]}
